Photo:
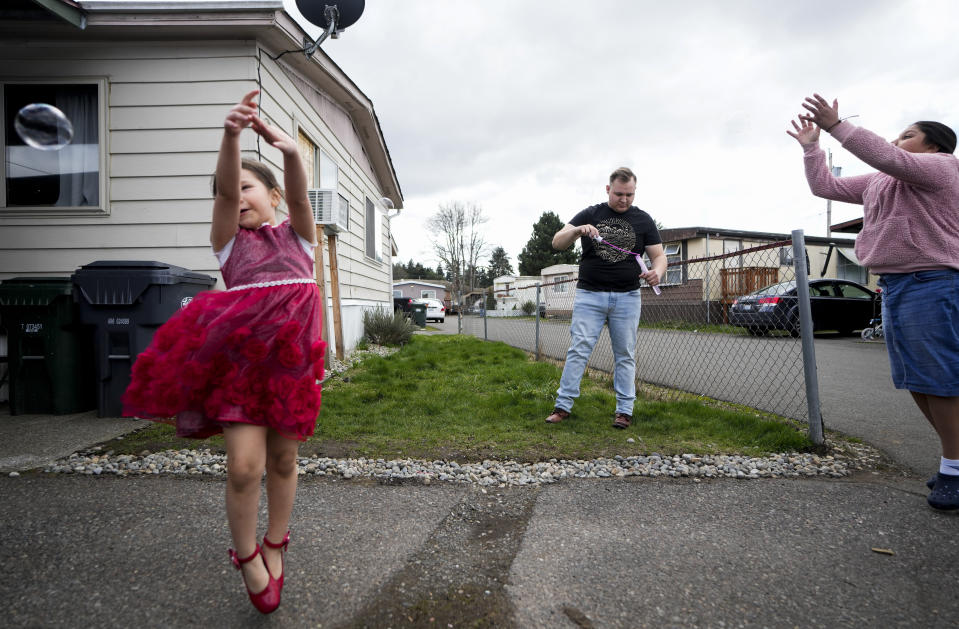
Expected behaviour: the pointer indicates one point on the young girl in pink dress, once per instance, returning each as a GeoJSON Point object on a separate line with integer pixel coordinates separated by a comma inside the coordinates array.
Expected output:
{"type": "Point", "coordinates": [246, 361]}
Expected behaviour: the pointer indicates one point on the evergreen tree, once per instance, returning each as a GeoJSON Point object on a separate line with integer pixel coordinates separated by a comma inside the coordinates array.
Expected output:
{"type": "Point", "coordinates": [539, 253]}
{"type": "Point", "coordinates": [499, 264]}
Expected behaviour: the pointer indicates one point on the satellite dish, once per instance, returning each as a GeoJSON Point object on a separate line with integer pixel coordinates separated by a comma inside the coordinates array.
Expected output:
{"type": "Point", "coordinates": [317, 12]}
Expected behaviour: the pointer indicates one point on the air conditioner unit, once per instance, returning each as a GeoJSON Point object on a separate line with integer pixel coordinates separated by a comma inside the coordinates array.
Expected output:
{"type": "Point", "coordinates": [326, 210]}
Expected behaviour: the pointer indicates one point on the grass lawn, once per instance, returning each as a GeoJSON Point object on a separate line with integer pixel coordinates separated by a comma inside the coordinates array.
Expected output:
{"type": "Point", "coordinates": [464, 399]}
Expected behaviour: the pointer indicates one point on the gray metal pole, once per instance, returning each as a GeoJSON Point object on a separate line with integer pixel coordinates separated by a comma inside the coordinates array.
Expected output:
{"type": "Point", "coordinates": [709, 295]}
{"type": "Point", "coordinates": [459, 314]}
{"type": "Point", "coordinates": [536, 315]}
{"type": "Point", "coordinates": [806, 332]}
{"type": "Point", "coordinates": [485, 308]}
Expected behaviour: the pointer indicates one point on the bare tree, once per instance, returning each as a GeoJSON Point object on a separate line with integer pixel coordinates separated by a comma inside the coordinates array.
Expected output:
{"type": "Point", "coordinates": [458, 242]}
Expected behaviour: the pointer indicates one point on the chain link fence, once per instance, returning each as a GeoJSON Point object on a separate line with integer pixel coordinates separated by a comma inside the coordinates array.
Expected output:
{"type": "Point", "coordinates": [708, 333]}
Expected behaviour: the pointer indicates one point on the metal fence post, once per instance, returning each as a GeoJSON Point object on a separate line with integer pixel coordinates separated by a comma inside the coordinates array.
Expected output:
{"type": "Point", "coordinates": [806, 331]}
{"type": "Point", "coordinates": [459, 314]}
{"type": "Point", "coordinates": [485, 309]}
{"type": "Point", "coordinates": [709, 295]}
{"type": "Point", "coordinates": [536, 314]}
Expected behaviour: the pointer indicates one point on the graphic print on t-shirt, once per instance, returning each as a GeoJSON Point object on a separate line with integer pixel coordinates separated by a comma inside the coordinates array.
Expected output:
{"type": "Point", "coordinates": [616, 231]}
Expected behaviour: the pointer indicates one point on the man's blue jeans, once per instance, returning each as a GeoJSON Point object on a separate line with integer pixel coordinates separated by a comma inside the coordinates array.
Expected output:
{"type": "Point", "coordinates": [591, 310]}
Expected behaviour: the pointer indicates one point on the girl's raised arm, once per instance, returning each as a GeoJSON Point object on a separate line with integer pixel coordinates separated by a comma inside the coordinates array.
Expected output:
{"type": "Point", "coordinates": [226, 201]}
{"type": "Point", "coordinates": [294, 178]}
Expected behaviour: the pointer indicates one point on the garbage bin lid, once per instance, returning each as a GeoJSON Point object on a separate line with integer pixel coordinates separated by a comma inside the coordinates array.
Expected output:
{"type": "Point", "coordinates": [161, 272]}
{"type": "Point", "coordinates": [33, 291]}
{"type": "Point", "coordinates": [123, 281]}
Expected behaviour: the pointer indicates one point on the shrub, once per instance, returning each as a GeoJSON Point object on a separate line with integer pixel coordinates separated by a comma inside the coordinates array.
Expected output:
{"type": "Point", "coordinates": [528, 307]}
{"type": "Point", "coordinates": [382, 327]}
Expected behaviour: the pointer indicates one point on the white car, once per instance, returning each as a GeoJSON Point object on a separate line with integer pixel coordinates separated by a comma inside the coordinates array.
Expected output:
{"type": "Point", "coordinates": [435, 309]}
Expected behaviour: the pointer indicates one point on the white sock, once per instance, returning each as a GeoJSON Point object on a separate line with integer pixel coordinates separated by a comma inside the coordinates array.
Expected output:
{"type": "Point", "coordinates": [949, 466]}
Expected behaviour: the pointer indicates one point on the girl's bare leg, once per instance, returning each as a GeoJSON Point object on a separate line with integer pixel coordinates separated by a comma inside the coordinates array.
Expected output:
{"type": "Point", "coordinates": [943, 414]}
{"type": "Point", "coordinates": [246, 460]}
{"type": "Point", "coordinates": [281, 477]}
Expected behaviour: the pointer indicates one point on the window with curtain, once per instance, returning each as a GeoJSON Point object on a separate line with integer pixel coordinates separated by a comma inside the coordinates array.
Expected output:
{"type": "Point", "coordinates": [66, 178]}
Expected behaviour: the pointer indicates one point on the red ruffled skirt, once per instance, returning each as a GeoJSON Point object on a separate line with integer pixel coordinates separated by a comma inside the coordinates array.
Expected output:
{"type": "Point", "coordinates": [252, 356]}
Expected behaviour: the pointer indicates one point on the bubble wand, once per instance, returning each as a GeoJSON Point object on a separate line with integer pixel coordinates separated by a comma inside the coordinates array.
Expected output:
{"type": "Point", "coordinates": [639, 257]}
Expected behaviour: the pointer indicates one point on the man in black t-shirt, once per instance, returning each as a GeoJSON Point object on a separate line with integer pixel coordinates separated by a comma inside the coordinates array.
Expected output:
{"type": "Point", "coordinates": [608, 290]}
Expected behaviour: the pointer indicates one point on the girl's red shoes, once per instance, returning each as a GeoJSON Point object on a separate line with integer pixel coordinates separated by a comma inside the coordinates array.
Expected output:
{"type": "Point", "coordinates": [283, 545]}
{"type": "Point", "coordinates": [269, 599]}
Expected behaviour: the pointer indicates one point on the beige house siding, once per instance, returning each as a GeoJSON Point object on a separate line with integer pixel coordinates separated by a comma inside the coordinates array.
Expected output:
{"type": "Point", "coordinates": [164, 107]}
{"type": "Point", "coordinates": [164, 110]}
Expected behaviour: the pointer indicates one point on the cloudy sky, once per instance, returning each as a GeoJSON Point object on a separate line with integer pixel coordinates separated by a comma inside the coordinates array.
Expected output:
{"type": "Point", "coordinates": [524, 106]}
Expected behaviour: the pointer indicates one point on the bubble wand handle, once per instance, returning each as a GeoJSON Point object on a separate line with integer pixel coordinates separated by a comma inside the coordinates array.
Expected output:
{"type": "Point", "coordinates": [639, 258]}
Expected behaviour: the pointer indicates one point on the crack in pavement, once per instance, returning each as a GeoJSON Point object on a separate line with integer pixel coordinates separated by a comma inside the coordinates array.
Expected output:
{"type": "Point", "coordinates": [458, 577]}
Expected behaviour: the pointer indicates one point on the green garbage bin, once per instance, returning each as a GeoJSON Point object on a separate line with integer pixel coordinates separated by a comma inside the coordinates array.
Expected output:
{"type": "Point", "coordinates": [49, 350]}
{"type": "Point", "coordinates": [418, 311]}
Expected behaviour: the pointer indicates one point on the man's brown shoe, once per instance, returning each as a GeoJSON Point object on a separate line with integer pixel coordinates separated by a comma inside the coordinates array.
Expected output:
{"type": "Point", "coordinates": [622, 420]}
{"type": "Point", "coordinates": [557, 416]}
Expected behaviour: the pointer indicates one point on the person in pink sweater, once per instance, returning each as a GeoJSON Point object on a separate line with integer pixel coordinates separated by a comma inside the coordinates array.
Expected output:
{"type": "Point", "coordinates": [910, 238]}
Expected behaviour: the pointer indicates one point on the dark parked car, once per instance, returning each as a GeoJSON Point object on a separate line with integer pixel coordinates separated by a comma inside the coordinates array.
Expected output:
{"type": "Point", "coordinates": [403, 303]}
{"type": "Point", "coordinates": [838, 305]}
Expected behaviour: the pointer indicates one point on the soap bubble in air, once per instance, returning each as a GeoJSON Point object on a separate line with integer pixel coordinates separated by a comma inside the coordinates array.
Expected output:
{"type": "Point", "coordinates": [43, 127]}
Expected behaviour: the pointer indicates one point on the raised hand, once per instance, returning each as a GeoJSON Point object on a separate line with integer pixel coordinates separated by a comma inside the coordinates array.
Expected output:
{"type": "Point", "coordinates": [274, 135]}
{"type": "Point", "coordinates": [806, 132]}
{"type": "Point", "coordinates": [241, 115]}
{"type": "Point", "coordinates": [821, 112]}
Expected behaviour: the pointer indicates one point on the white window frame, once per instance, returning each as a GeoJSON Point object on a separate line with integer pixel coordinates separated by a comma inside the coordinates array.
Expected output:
{"type": "Point", "coordinates": [103, 209]}
{"type": "Point", "coordinates": [559, 283]}
{"type": "Point", "coordinates": [397, 292]}
{"type": "Point", "coordinates": [327, 170]}
{"type": "Point", "coordinates": [849, 270]}
{"type": "Point", "coordinates": [373, 239]}
{"type": "Point", "coordinates": [674, 253]}
{"type": "Point", "coordinates": [345, 211]}
{"type": "Point", "coordinates": [427, 293]}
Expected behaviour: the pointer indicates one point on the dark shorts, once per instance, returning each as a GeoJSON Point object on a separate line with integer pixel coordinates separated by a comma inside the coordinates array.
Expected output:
{"type": "Point", "coordinates": [920, 319]}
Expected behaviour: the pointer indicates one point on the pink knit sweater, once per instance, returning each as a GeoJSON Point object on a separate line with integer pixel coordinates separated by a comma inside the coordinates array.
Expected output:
{"type": "Point", "coordinates": [910, 207]}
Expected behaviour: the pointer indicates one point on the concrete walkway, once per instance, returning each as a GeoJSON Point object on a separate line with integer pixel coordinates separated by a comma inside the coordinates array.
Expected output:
{"type": "Point", "coordinates": [151, 551]}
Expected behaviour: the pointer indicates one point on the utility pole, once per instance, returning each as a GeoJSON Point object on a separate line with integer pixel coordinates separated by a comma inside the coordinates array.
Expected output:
{"type": "Point", "coordinates": [828, 201]}
{"type": "Point", "coordinates": [835, 173]}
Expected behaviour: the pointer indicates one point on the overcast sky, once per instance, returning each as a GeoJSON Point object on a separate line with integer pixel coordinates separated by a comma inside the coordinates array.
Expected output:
{"type": "Point", "coordinates": [524, 106]}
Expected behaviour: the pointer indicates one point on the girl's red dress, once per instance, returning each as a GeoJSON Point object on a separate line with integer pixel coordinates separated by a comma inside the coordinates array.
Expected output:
{"type": "Point", "coordinates": [249, 354]}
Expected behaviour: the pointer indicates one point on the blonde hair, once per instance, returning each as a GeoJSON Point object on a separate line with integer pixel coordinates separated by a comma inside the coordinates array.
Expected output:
{"type": "Point", "coordinates": [622, 174]}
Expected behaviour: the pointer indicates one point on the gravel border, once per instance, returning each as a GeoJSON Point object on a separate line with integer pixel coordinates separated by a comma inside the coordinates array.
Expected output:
{"type": "Point", "coordinates": [844, 460]}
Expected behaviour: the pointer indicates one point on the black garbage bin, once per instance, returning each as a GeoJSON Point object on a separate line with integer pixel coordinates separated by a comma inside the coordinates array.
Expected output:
{"type": "Point", "coordinates": [49, 351]}
{"type": "Point", "coordinates": [126, 301]}
{"type": "Point", "coordinates": [418, 312]}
